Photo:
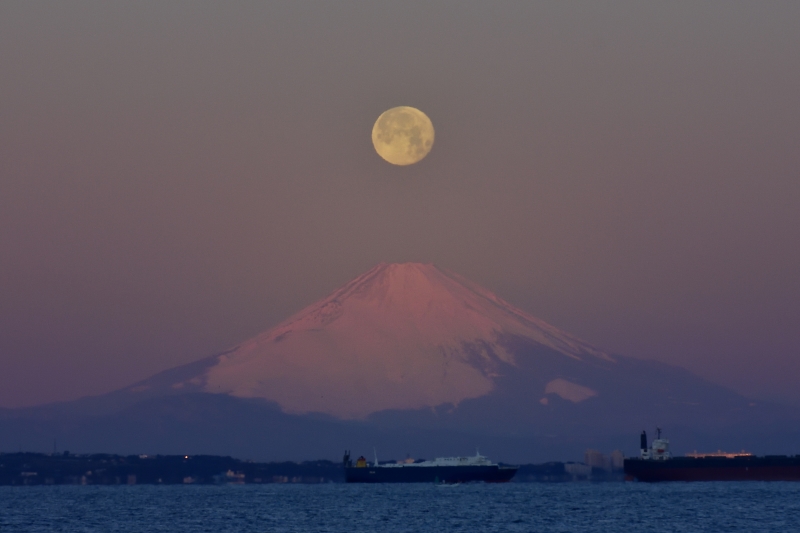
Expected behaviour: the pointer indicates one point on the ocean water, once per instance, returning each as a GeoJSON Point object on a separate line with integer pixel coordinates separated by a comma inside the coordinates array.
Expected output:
{"type": "Point", "coordinates": [567, 507]}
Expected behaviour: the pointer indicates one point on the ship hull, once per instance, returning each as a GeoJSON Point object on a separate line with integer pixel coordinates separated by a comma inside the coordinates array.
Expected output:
{"type": "Point", "coordinates": [432, 474]}
{"type": "Point", "coordinates": [770, 468]}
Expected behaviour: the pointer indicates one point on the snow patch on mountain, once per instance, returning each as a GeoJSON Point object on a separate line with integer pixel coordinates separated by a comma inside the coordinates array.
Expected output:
{"type": "Point", "coordinates": [569, 391]}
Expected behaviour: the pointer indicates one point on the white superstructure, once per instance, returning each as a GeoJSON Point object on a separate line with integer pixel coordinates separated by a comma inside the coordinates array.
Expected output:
{"type": "Point", "coordinates": [475, 460]}
{"type": "Point", "coordinates": [658, 451]}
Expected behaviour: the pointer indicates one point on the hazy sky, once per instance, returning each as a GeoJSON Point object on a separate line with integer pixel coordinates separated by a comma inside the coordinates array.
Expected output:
{"type": "Point", "coordinates": [178, 176]}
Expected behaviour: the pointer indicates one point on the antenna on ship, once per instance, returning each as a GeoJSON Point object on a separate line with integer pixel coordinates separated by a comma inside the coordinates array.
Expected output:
{"type": "Point", "coordinates": [376, 455]}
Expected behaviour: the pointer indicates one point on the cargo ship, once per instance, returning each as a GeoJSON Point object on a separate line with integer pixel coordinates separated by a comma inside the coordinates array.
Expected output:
{"type": "Point", "coordinates": [656, 463]}
{"type": "Point", "coordinates": [441, 470]}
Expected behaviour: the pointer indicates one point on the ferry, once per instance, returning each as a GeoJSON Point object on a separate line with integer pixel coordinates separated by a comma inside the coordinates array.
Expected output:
{"type": "Point", "coordinates": [447, 470]}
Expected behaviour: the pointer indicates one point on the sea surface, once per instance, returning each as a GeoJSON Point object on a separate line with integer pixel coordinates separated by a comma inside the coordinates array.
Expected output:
{"type": "Point", "coordinates": [340, 508]}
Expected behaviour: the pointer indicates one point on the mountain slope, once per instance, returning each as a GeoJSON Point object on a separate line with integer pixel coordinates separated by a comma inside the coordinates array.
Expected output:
{"type": "Point", "coordinates": [401, 336]}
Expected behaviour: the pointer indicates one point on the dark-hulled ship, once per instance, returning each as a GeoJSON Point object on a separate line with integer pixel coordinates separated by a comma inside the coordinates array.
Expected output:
{"type": "Point", "coordinates": [656, 463]}
{"type": "Point", "coordinates": [441, 470]}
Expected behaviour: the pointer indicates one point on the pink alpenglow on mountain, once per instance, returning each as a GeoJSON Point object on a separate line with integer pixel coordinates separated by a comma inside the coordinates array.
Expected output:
{"type": "Point", "coordinates": [401, 336]}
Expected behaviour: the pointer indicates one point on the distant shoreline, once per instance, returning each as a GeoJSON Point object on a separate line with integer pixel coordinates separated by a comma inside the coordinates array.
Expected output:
{"type": "Point", "coordinates": [36, 469]}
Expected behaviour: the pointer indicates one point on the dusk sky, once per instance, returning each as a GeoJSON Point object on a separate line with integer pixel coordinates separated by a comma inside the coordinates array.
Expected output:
{"type": "Point", "coordinates": [176, 177]}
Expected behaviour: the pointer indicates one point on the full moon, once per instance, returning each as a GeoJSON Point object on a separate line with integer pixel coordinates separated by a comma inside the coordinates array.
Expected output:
{"type": "Point", "coordinates": [402, 135]}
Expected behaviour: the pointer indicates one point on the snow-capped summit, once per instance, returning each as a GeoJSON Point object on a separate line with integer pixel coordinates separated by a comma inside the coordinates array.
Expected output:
{"type": "Point", "coordinates": [400, 336]}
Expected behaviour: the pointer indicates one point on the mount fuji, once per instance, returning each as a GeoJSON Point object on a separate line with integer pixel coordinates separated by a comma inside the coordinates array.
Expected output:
{"type": "Point", "coordinates": [414, 359]}
{"type": "Point", "coordinates": [402, 336]}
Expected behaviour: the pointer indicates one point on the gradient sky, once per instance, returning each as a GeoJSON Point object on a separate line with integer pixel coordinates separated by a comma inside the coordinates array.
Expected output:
{"type": "Point", "coordinates": [176, 177]}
